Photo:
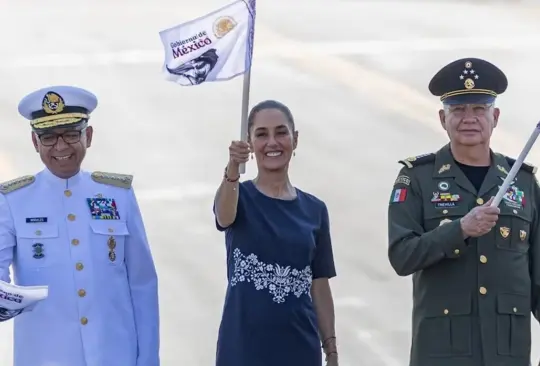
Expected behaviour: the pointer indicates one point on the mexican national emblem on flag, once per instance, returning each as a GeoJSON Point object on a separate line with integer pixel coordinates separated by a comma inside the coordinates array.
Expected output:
{"type": "Point", "coordinates": [215, 47]}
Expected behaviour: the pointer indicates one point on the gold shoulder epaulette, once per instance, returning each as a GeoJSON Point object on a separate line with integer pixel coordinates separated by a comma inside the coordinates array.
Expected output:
{"type": "Point", "coordinates": [113, 179]}
{"type": "Point", "coordinates": [17, 183]}
{"type": "Point", "coordinates": [418, 160]}
{"type": "Point", "coordinates": [525, 166]}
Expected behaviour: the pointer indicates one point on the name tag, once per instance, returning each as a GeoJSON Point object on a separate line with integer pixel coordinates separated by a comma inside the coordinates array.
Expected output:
{"type": "Point", "coordinates": [32, 220]}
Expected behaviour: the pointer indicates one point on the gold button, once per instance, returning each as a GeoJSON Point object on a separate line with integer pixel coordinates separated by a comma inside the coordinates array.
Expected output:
{"type": "Point", "coordinates": [111, 230]}
{"type": "Point", "coordinates": [84, 320]}
{"type": "Point", "coordinates": [480, 201]}
{"type": "Point", "coordinates": [515, 310]}
{"type": "Point", "coordinates": [445, 212]}
{"type": "Point", "coordinates": [456, 251]}
{"type": "Point", "coordinates": [445, 311]}
{"type": "Point", "coordinates": [38, 232]}
{"type": "Point", "coordinates": [71, 217]}
{"type": "Point", "coordinates": [82, 293]}
{"type": "Point", "coordinates": [79, 266]}
{"type": "Point", "coordinates": [483, 259]}
{"type": "Point", "coordinates": [75, 242]}
{"type": "Point", "coordinates": [483, 290]}
{"type": "Point", "coordinates": [67, 193]}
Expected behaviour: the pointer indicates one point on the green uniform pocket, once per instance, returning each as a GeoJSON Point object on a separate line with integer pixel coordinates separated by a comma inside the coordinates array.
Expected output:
{"type": "Point", "coordinates": [513, 325]}
{"type": "Point", "coordinates": [512, 231]}
{"type": "Point", "coordinates": [445, 328]}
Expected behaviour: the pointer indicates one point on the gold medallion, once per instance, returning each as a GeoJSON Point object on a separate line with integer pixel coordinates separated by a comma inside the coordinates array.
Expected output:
{"type": "Point", "coordinates": [111, 243]}
{"type": "Point", "coordinates": [469, 84]}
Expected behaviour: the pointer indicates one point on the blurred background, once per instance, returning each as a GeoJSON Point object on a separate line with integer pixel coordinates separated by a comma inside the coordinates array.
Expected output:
{"type": "Point", "coordinates": [355, 75]}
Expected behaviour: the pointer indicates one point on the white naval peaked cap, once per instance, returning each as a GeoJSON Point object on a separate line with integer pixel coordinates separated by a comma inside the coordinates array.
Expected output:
{"type": "Point", "coordinates": [57, 106]}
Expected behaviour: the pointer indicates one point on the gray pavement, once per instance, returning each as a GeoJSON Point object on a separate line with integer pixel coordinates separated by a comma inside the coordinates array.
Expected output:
{"type": "Point", "coordinates": [355, 75]}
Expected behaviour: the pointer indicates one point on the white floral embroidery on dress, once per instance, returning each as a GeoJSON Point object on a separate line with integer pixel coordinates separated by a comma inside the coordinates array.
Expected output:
{"type": "Point", "coordinates": [280, 281]}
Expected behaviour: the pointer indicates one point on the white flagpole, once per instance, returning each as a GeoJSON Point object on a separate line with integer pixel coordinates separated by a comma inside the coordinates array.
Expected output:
{"type": "Point", "coordinates": [246, 88]}
{"type": "Point", "coordinates": [515, 167]}
{"type": "Point", "coordinates": [245, 110]}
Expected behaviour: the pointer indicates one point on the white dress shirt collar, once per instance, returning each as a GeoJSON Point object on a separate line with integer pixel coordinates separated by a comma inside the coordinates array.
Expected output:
{"type": "Point", "coordinates": [61, 182]}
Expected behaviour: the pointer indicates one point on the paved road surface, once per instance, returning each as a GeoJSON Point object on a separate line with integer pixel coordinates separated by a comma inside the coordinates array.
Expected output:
{"type": "Point", "coordinates": [355, 74]}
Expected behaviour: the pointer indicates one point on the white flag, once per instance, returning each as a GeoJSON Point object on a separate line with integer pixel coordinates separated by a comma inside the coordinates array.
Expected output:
{"type": "Point", "coordinates": [15, 300]}
{"type": "Point", "coordinates": [215, 47]}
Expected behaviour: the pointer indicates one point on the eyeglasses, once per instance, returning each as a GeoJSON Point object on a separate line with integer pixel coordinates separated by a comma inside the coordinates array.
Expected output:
{"type": "Point", "coordinates": [69, 137]}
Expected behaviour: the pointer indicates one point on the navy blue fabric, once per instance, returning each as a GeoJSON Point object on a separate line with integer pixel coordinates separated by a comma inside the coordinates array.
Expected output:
{"type": "Point", "coordinates": [470, 99]}
{"type": "Point", "coordinates": [274, 249]}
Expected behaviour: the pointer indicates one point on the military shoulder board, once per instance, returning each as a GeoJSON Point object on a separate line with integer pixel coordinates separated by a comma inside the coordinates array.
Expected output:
{"type": "Point", "coordinates": [525, 166]}
{"type": "Point", "coordinates": [418, 160]}
{"type": "Point", "coordinates": [113, 179]}
{"type": "Point", "coordinates": [17, 183]}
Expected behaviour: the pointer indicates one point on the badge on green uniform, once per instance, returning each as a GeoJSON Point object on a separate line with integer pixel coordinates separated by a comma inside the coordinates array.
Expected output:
{"type": "Point", "coordinates": [443, 186]}
{"type": "Point", "coordinates": [399, 195]}
{"type": "Point", "coordinates": [514, 197]}
{"type": "Point", "coordinates": [445, 199]}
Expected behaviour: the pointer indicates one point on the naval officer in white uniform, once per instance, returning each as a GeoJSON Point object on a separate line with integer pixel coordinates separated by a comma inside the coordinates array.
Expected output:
{"type": "Point", "coordinates": [80, 233]}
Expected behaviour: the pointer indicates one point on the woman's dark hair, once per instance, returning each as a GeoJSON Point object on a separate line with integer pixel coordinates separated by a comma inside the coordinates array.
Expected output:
{"type": "Point", "coordinates": [270, 104]}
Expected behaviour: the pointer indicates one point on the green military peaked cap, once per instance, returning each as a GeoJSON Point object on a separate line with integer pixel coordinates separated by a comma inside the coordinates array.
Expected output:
{"type": "Point", "coordinates": [468, 80]}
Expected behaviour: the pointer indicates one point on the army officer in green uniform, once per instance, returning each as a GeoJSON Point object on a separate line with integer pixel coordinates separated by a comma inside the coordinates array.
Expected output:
{"type": "Point", "coordinates": [476, 268]}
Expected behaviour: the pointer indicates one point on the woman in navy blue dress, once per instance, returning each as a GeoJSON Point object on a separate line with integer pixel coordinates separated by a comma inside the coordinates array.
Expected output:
{"type": "Point", "coordinates": [278, 308]}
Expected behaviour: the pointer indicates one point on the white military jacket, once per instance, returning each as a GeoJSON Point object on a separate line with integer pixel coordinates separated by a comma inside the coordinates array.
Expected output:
{"type": "Point", "coordinates": [84, 238]}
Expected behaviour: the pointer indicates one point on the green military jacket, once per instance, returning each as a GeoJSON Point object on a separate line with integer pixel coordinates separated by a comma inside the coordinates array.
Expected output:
{"type": "Point", "coordinates": [472, 298]}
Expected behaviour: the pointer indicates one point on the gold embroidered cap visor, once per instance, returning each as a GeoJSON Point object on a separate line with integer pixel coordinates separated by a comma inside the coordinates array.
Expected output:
{"type": "Point", "coordinates": [57, 107]}
{"type": "Point", "coordinates": [468, 81]}
{"type": "Point", "coordinates": [59, 121]}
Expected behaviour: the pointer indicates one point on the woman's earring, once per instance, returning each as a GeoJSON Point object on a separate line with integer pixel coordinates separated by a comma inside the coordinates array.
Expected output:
{"type": "Point", "coordinates": [294, 153]}
{"type": "Point", "coordinates": [251, 156]}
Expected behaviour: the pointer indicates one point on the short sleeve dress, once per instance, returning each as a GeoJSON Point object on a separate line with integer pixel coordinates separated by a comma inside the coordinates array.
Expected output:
{"type": "Point", "coordinates": [274, 249]}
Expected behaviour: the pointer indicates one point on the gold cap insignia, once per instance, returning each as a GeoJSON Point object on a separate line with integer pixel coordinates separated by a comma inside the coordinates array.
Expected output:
{"type": "Point", "coordinates": [469, 75]}
{"type": "Point", "coordinates": [505, 231]}
{"type": "Point", "coordinates": [53, 103]}
{"type": "Point", "coordinates": [223, 25]}
{"type": "Point", "coordinates": [522, 234]}
{"type": "Point", "coordinates": [469, 84]}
